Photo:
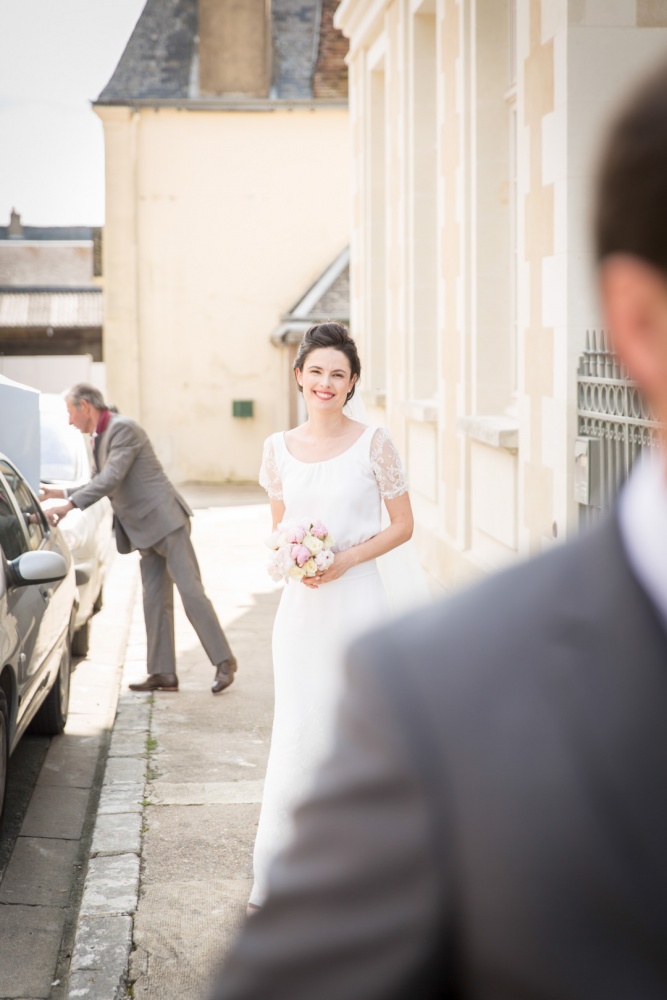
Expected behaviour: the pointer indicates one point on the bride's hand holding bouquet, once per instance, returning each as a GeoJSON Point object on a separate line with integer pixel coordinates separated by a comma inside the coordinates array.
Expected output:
{"type": "Point", "coordinates": [340, 565]}
{"type": "Point", "coordinates": [303, 551]}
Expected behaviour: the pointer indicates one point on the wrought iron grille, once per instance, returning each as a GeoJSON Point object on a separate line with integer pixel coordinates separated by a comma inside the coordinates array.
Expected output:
{"type": "Point", "coordinates": [610, 411]}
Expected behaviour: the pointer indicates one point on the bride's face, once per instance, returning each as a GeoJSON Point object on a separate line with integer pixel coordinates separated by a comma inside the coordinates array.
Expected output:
{"type": "Point", "coordinates": [326, 379]}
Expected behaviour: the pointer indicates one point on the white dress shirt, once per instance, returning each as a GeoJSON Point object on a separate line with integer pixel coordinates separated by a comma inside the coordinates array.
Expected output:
{"type": "Point", "coordinates": [643, 522]}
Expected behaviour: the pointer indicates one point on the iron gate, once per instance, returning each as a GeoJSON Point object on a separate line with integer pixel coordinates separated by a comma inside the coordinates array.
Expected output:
{"type": "Point", "coordinates": [613, 425]}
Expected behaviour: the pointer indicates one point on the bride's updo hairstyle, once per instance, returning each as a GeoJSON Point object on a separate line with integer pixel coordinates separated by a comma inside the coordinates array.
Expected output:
{"type": "Point", "coordinates": [329, 335]}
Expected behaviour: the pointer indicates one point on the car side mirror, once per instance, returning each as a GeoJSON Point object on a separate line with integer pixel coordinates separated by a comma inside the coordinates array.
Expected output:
{"type": "Point", "coordinates": [37, 567]}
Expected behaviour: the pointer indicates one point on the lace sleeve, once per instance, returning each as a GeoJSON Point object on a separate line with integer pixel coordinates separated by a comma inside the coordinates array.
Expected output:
{"type": "Point", "coordinates": [387, 466]}
{"type": "Point", "coordinates": [269, 476]}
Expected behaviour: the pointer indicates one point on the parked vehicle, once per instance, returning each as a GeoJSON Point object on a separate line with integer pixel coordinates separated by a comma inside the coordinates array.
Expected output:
{"type": "Point", "coordinates": [67, 462]}
{"type": "Point", "coordinates": [38, 605]}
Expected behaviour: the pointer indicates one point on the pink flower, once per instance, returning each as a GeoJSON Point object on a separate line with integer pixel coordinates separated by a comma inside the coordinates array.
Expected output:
{"type": "Point", "coordinates": [295, 534]}
{"type": "Point", "coordinates": [300, 554]}
{"type": "Point", "coordinates": [319, 530]}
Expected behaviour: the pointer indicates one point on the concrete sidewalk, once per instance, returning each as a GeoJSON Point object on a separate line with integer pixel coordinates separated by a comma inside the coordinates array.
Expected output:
{"type": "Point", "coordinates": [42, 882]}
{"type": "Point", "coordinates": [171, 860]}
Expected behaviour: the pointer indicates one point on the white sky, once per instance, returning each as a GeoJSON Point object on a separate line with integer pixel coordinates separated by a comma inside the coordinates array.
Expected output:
{"type": "Point", "coordinates": [55, 58]}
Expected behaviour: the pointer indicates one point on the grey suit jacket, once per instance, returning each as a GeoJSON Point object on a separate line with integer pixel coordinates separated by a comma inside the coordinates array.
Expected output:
{"type": "Point", "coordinates": [493, 822]}
{"type": "Point", "coordinates": [146, 505]}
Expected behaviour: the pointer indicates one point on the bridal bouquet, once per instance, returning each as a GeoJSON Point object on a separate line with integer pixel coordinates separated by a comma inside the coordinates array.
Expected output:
{"type": "Point", "coordinates": [300, 548]}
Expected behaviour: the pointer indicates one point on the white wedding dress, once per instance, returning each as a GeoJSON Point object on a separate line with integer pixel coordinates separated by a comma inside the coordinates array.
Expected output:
{"type": "Point", "coordinates": [313, 627]}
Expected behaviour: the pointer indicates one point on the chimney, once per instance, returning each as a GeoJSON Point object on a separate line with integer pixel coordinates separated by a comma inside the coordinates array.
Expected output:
{"type": "Point", "coordinates": [234, 48]}
{"type": "Point", "coordinates": [15, 230]}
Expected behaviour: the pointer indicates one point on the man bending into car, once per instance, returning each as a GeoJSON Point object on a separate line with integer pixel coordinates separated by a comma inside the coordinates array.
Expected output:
{"type": "Point", "coordinates": [151, 516]}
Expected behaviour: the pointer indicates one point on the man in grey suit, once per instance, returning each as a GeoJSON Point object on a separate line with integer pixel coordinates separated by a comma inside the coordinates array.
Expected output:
{"type": "Point", "coordinates": [151, 516]}
{"type": "Point", "coordinates": [492, 822]}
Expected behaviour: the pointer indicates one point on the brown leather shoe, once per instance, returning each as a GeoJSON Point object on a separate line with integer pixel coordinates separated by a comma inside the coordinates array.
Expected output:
{"type": "Point", "coordinates": [224, 675]}
{"type": "Point", "coordinates": [157, 682]}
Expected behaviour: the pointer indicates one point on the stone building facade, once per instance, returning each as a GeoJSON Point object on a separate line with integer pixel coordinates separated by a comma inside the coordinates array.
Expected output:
{"type": "Point", "coordinates": [227, 194]}
{"type": "Point", "coordinates": [475, 125]}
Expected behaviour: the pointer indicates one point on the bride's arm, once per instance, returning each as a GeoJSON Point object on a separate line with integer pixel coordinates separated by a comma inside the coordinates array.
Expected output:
{"type": "Point", "coordinates": [399, 530]}
{"type": "Point", "coordinates": [277, 511]}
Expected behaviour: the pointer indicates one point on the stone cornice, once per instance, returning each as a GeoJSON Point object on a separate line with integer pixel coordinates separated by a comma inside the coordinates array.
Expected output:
{"type": "Point", "coordinates": [357, 19]}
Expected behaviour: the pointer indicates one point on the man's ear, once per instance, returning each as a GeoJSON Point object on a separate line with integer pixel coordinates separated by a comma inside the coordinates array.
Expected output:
{"type": "Point", "coordinates": [634, 305]}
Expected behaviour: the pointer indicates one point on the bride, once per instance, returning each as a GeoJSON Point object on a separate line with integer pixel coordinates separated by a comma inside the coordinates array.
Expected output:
{"type": "Point", "coordinates": [338, 471]}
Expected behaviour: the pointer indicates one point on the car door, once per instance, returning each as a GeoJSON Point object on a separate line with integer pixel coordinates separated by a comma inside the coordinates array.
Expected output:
{"type": "Point", "coordinates": [25, 605]}
{"type": "Point", "coordinates": [37, 619]}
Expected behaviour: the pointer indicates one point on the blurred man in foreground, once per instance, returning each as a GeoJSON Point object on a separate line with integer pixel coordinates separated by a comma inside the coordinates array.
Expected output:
{"type": "Point", "coordinates": [493, 821]}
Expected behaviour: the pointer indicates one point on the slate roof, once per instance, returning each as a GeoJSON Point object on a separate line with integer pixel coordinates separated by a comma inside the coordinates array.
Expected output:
{"type": "Point", "coordinates": [295, 35]}
{"type": "Point", "coordinates": [327, 299]}
{"type": "Point", "coordinates": [75, 233]}
{"type": "Point", "coordinates": [159, 63]}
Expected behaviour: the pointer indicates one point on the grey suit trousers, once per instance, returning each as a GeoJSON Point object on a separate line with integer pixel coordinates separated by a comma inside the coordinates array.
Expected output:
{"type": "Point", "coordinates": [170, 561]}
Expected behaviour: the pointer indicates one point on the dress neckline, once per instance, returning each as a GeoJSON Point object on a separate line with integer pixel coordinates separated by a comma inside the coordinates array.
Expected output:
{"type": "Point", "coordinates": [333, 458]}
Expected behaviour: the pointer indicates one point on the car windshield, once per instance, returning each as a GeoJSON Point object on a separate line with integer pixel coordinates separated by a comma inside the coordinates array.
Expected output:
{"type": "Point", "coordinates": [63, 449]}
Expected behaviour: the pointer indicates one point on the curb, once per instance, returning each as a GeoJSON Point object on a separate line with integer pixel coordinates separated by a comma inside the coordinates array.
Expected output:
{"type": "Point", "coordinates": [103, 940]}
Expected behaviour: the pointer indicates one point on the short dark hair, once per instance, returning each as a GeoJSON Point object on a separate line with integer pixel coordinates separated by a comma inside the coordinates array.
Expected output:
{"type": "Point", "coordinates": [631, 195]}
{"type": "Point", "coordinates": [83, 391]}
{"type": "Point", "coordinates": [329, 335]}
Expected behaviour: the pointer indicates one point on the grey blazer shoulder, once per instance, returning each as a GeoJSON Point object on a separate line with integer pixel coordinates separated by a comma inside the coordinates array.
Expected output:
{"type": "Point", "coordinates": [144, 501]}
{"type": "Point", "coordinates": [493, 821]}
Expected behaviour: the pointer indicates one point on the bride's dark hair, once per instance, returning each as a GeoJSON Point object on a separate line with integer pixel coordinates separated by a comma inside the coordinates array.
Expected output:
{"type": "Point", "coordinates": [329, 335]}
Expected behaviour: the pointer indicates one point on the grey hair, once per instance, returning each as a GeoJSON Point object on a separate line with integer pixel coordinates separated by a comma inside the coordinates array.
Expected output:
{"type": "Point", "coordinates": [84, 392]}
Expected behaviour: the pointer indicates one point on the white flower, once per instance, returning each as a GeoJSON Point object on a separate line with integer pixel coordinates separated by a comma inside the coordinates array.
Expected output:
{"type": "Point", "coordinates": [313, 544]}
{"type": "Point", "coordinates": [310, 568]}
{"type": "Point", "coordinates": [274, 572]}
{"type": "Point", "coordinates": [323, 560]}
{"type": "Point", "coordinates": [274, 541]}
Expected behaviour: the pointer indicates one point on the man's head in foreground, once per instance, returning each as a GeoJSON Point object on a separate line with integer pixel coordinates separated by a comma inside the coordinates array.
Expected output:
{"type": "Point", "coordinates": [631, 237]}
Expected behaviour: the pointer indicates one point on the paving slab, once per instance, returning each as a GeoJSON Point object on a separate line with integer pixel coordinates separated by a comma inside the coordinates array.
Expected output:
{"type": "Point", "coordinates": [104, 943]}
{"type": "Point", "coordinates": [125, 769]}
{"type": "Point", "coordinates": [133, 716]}
{"type": "Point", "coordinates": [196, 793]}
{"type": "Point", "coordinates": [86, 725]}
{"type": "Point", "coordinates": [125, 798]}
{"type": "Point", "coordinates": [181, 930]}
{"type": "Point", "coordinates": [96, 984]}
{"type": "Point", "coordinates": [40, 872]}
{"type": "Point", "coordinates": [128, 744]}
{"type": "Point", "coordinates": [53, 814]}
{"type": "Point", "coordinates": [32, 934]}
{"type": "Point", "coordinates": [117, 833]}
{"type": "Point", "coordinates": [185, 842]}
{"type": "Point", "coordinates": [73, 767]}
{"type": "Point", "coordinates": [111, 885]}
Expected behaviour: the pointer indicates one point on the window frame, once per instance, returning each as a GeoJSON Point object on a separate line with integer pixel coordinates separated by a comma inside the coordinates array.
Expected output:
{"type": "Point", "coordinates": [7, 468]}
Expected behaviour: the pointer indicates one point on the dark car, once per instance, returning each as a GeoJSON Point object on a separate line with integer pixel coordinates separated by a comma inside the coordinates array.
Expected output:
{"type": "Point", "coordinates": [38, 605]}
{"type": "Point", "coordinates": [67, 462]}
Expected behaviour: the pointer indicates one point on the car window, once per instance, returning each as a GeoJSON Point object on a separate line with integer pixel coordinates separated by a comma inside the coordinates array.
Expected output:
{"type": "Point", "coordinates": [32, 513]}
{"type": "Point", "coordinates": [12, 539]}
{"type": "Point", "coordinates": [62, 449]}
